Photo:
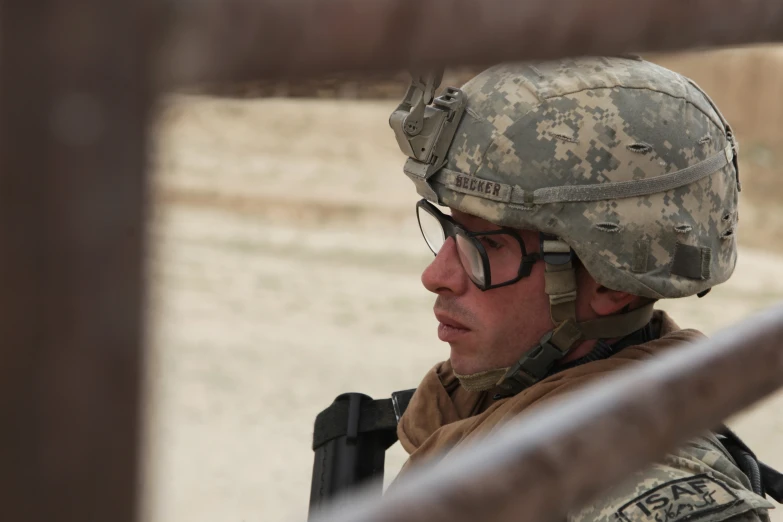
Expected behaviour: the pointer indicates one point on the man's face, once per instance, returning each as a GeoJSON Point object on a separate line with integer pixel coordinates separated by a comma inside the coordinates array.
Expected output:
{"type": "Point", "coordinates": [490, 329]}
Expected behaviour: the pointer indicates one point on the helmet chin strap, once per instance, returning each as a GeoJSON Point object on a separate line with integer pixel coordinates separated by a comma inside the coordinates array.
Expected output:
{"type": "Point", "coordinates": [560, 286]}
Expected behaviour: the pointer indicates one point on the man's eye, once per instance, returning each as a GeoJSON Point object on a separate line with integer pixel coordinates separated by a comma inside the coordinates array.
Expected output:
{"type": "Point", "coordinates": [491, 243]}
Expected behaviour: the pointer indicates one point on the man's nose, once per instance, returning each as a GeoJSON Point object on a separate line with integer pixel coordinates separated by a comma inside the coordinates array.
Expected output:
{"type": "Point", "coordinates": [445, 274]}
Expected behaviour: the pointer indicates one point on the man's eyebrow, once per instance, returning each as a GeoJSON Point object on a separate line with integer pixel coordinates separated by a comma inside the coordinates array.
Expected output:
{"type": "Point", "coordinates": [484, 226]}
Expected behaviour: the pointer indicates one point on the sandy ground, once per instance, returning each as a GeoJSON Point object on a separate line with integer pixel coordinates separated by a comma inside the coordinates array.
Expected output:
{"type": "Point", "coordinates": [285, 271]}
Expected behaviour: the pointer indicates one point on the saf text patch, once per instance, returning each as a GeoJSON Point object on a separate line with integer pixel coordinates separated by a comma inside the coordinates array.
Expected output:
{"type": "Point", "coordinates": [679, 500]}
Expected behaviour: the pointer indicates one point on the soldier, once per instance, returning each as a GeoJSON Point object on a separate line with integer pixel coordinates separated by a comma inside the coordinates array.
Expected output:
{"type": "Point", "coordinates": [574, 194]}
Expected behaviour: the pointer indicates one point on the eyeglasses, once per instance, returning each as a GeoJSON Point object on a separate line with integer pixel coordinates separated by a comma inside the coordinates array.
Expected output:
{"type": "Point", "coordinates": [491, 259]}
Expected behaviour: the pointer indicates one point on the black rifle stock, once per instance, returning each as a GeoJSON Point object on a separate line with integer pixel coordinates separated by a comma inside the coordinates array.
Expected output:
{"type": "Point", "coordinates": [350, 439]}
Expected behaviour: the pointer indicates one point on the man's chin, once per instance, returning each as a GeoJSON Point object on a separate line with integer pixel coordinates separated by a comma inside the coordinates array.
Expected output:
{"type": "Point", "coordinates": [465, 363]}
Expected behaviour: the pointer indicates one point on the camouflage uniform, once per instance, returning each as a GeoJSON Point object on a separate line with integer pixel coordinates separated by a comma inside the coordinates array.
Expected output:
{"type": "Point", "coordinates": [632, 167]}
{"type": "Point", "coordinates": [700, 481]}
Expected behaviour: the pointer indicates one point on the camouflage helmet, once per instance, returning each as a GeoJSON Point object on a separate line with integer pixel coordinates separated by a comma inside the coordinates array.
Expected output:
{"type": "Point", "coordinates": [622, 163]}
{"type": "Point", "coordinates": [627, 162]}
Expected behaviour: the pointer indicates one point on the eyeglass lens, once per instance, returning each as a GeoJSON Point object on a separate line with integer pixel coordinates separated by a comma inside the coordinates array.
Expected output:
{"type": "Point", "coordinates": [503, 251]}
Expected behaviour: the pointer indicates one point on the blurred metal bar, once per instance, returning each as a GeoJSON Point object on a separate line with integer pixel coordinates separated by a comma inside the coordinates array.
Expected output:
{"type": "Point", "coordinates": [558, 458]}
{"type": "Point", "coordinates": [74, 102]}
{"type": "Point", "coordinates": [236, 40]}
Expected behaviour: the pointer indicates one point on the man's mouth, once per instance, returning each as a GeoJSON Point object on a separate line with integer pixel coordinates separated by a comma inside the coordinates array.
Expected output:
{"type": "Point", "coordinates": [449, 329]}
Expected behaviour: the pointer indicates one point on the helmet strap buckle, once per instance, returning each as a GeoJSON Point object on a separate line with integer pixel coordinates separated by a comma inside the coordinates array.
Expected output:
{"type": "Point", "coordinates": [537, 363]}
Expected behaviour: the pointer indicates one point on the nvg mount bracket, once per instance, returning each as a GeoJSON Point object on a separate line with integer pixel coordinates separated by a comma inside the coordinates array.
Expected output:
{"type": "Point", "coordinates": [425, 127]}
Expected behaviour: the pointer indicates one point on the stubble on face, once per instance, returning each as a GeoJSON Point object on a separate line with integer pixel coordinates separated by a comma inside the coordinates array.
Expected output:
{"type": "Point", "coordinates": [503, 323]}
{"type": "Point", "coordinates": [450, 306]}
{"type": "Point", "coordinates": [508, 322]}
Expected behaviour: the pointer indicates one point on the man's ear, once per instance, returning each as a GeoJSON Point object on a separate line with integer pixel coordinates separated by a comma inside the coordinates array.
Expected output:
{"type": "Point", "coordinates": [599, 299]}
{"type": "Point", "coordinates": [606, 302]}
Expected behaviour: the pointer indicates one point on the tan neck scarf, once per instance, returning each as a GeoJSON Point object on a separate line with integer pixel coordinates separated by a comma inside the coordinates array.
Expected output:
{"type": "Point", "coordinates": [442, 414]}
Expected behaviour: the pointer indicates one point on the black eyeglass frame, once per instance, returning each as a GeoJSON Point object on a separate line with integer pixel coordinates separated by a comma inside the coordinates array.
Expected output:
{"type": "Point", "coordinates": [451, 228]}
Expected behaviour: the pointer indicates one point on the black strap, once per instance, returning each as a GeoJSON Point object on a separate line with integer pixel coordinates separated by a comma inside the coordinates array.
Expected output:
{"type": "Point", "coordinates": [354, 413]}
{"type": "Point", "coordinates": [773, 482]}
{"type": "Point", "coordinates": [602, 350]}
{"type": "Point", "coordinates": [764, 480]}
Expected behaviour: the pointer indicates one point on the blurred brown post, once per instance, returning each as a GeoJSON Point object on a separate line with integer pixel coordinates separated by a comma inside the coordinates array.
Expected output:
{"type": "Point", "coordinates": [74, 103]}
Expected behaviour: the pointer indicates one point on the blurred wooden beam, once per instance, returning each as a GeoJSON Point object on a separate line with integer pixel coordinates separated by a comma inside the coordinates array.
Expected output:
{"type": "Point", "coordinates": [74, 103]}
{"type": "Point", "coordinates": [239, 40]}
{"type": "Point", "coordinates": [558, 458]}
{"type": "Point", "coordinates": [388, 85]}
